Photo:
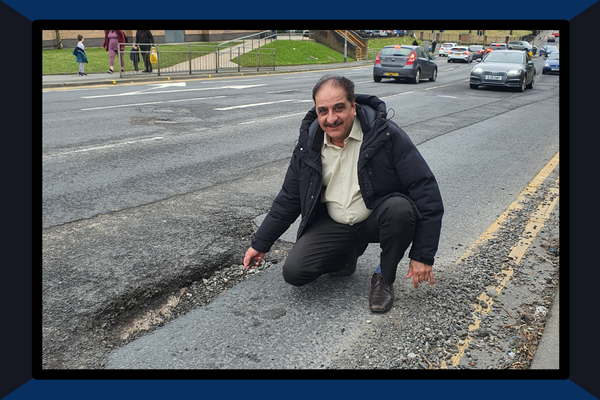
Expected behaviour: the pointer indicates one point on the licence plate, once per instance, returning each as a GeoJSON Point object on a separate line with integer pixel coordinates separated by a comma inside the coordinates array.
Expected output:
{"type": "Point", "coordinates": [554, 69]}
{"type": "Point", "coordinates": [493, 77]}
{"type": "Point", "coordinates": [391, 74]}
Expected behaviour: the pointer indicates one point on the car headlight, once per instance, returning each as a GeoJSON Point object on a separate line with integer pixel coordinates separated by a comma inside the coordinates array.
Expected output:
{"type": "Point", "coordinates": [547, 65]}
{"type": "Point", "coordinates": [477, 70]}
{"type": "Point", "coordinates": [514, 72]}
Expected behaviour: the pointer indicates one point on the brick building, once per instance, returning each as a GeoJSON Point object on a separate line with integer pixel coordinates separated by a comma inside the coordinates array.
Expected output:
{"type": "Point", "coordinates": [95, 38]}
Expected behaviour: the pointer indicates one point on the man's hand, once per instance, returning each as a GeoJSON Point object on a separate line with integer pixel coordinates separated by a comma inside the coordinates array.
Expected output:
{"type": "Point", "coordinates": [252, 254]}
{"type": "Point", "coordinates": [420, 273]}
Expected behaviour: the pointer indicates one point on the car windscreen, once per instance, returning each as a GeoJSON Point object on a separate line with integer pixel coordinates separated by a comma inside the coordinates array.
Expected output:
{"type": "Point", "coordinates": [509, 57]}
{"type": "Point", "coordinates": [392, 51]}
{"type": "Point", "coordinates": [554, 56]}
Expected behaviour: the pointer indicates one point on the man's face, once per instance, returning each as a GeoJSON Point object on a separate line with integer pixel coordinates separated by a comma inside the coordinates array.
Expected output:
{"type": "Point", "coordinates": [334, 111]}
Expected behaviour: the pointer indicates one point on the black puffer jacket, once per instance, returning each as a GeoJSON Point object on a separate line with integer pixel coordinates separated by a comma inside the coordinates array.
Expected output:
{"type": "Point", "coordinates": [389, 165]}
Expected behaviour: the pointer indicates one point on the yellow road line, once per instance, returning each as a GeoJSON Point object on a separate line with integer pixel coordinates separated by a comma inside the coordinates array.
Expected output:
{"type": "Point", "coordinates": [490, 233]}
{"type": "Point", "coordinates": [534, 225]}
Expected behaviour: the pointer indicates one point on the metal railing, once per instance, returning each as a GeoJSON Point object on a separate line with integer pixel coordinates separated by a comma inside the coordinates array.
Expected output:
{"type": "Point", "coordinates": [242, 54]}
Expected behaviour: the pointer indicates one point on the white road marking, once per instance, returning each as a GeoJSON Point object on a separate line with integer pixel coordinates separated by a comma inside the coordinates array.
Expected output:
{"type": "Point", "coordinates": [153, 102]}
{"type": "Point", "coordinates": [270, 119]}
{"type": "Point", "coordinates": [253, 105]}
{"type": "Point", "coordinates": [165, 85]}
{"type": "Point", "coordinates": [141, 93]}
{"type": "Point", "coordinates": [108, 146]}
{"type": "Point", "coordinates": [450, 97]}
{"type": "Point", "coordinates": [399, 94]}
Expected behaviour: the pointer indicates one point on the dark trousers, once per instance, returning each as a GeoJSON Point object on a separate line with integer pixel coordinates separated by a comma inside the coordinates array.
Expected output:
{"type": "Point", "coordinates": [324, 246]}
{"type": "Point", "coordinates": [146, 57]}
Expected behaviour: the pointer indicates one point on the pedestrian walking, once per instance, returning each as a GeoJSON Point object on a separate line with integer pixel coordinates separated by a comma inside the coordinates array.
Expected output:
{"type": "Point", "coordinates": [112, 40]}
{"type": "Point", "coordinates": [79, 52]}
{"type": "Point", "coordinates": [356, 178]}
{"type": "Point", "coordinates": [433, 45]}
{"type": "Point", "coordinates": [145, 39]}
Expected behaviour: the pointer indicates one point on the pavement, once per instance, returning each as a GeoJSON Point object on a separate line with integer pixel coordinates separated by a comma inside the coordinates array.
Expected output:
{"type": "Point", "coordinates": [547, 354]}
{"type": "Point", "coordinates": [73, 80]}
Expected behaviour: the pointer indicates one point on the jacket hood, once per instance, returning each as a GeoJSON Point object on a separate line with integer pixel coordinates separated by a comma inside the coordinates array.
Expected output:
{"type": "Point", "coordinates": [370, 110]}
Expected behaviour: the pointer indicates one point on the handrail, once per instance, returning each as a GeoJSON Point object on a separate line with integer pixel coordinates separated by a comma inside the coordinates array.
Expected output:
{"type": "Point", "coordinates": [261, 35]}
{"type": "Point", "coordinates": [354, 40]}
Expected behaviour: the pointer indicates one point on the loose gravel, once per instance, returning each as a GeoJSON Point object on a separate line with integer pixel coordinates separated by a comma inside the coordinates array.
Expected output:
{"type": "Point", "coordinates": [448, 326]}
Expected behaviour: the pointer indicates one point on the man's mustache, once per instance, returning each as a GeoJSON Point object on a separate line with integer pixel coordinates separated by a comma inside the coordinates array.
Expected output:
{"type": "Point", "coordinates": [337, 123]}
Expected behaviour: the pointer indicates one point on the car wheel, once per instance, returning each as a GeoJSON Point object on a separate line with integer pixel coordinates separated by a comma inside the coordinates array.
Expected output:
{"type": "Point", "coordinates": [473, 86]}
{"type": "Point", "coordinates": [377, 78]}
{"type": "Point", "coordinates": [417, 77]}
{"type": "Point", "coordinates": [523, 84]}
{"type": "Point", "coordinates": [530, 86]}
{"type": "Point", "coordinates": [434, 75]}
{"type": "Point", "coordinates": [543, 72]}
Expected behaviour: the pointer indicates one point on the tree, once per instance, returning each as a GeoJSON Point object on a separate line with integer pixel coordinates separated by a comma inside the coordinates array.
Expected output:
{"type": "Point", "coordinates": [58, 41]}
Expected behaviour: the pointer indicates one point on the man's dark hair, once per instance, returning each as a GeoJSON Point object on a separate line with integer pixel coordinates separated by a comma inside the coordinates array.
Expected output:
{"type": "Point", "coordinates": [336, 81]}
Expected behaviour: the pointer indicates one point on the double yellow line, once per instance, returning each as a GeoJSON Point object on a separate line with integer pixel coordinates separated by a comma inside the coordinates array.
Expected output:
{"type": "Point", "coordinates": [534, 225]}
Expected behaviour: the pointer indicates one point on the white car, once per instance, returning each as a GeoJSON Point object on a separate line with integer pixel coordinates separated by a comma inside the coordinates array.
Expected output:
{"type": "Point", "coordinates": [445, 48]}
{"type": "Point", "coordinates": [460, 53]}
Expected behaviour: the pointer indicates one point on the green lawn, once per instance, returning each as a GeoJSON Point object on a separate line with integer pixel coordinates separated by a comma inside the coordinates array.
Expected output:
{"type": "Point", "coordinates": [296, 52]}
{"type": "Point", "coordinates": [288, 52]}
{"type": "Point", "coordinates": [63, 62]}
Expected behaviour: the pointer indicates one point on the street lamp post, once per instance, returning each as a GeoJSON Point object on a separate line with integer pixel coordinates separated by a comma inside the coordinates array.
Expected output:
{"type": "Point", "coordinates": [345, 44]}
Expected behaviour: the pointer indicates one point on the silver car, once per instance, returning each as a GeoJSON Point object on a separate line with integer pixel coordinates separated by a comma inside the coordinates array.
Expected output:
{"type": "Point", "coordinates": [445, 48]}
{"type": "Point", "coordinates": [404, 62]}
{"type": "Point", "coordinates": [504, 68]}
{"type": "Point", "coordinates": [460, 53]}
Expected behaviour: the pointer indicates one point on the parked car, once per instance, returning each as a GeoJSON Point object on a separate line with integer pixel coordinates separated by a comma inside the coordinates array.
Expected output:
{"type": "Point", "coordinates": [551, 39]}
{"type": "Point", "coordinates": [555, 33]}
{"type": "Point", "coordinates": [552, 63]}
{"type": "Point", "coordinates": [495, 46]}
{"type": "Point", "coordinates": [304, 33]}
{"type": "Point", "coordinates": [460, 53]}
{"type": "Point", "coordinates": [477, 51]}
{"type": "Point", "coordinates": [504, 68]}
{"type": "Point", "coordinates": [546, 50]}
{"type": "Point", "coordinates": [445, 48]}
{"type": "Point", "coordinates": [404, 62]}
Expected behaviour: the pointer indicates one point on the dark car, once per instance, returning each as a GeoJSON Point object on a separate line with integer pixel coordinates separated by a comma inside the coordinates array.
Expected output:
{"type": "Point", "coordinates": [546, 50]}
{"type": "Point", "coordinates": [552, 63]}
{"type": "Point", "coordinates": [495, 46]}
{"type": "Point", "coordinates": [504, 68]}
{"type": "Point", "coordinates": [404, 62]}
{"type": "Point", "coordinates": [477, 51]}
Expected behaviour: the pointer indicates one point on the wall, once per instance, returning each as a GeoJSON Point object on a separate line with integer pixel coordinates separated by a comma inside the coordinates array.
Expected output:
{"type": "Point", "coordinates": [95, 38]}
{"type": "Point", "coordinates": [336, 41]}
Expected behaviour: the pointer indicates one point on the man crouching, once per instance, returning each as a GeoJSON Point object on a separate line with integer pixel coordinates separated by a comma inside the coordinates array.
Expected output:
{"type": "Point", "coordinates": [356, 178]}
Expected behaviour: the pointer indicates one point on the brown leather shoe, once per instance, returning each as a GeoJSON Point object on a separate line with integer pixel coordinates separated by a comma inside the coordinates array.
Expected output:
{"type": "Point", "coordinates": [381, 298]}
{"type": "Point", "coordinates": [349, 266]}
